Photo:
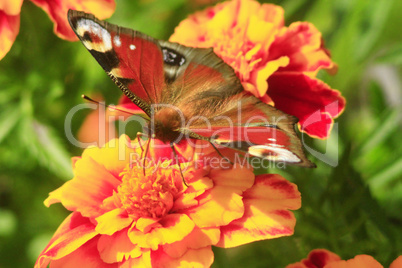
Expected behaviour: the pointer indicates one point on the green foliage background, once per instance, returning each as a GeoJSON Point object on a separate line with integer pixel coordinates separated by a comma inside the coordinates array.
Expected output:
{"type": "Point", "coordinates": [353, 208]}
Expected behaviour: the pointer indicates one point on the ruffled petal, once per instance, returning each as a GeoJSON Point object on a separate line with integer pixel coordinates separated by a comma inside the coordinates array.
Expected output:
{"type": "Point", "coordinates": [195, 258]}
{"type": "Point", "coordinates": [310, 100]}
{"type": "Point", "coordinates": [112, 221]}
{"type": "Point", "coordinates": [237, 179]}
{"type": "Point", "coordinates": [73, 233]}
{"type": "Point", "coordinates": [174, 227]}
{"type": "Point", "coordinates": [317, 258]}
{"type": "Point", "coordinates": [301, 42]}
{"type": "Point", "coordinates": [117, 247]}
{"type": "Point", "coordinates": [266, 213]}
{"type": "Point", "coordinates": [144, 261]}
{"type": "Point", "coordinates": [115, 155]}
{"type": "Point", "coordinates": [87, 190]}
{"type": "Point", "coordinates": [198, 238]}
{"type": "Point", "coordinates": [57, 11]}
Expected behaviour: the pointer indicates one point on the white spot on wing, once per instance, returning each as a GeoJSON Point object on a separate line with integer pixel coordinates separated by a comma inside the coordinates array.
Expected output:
{"type": "Point", "coordinates": [132, 47]}
{"type": "Point", "coordinates": [280, 154]}
{"type": "Point", "coordinates": [85, 25]}
{"type": "Point", "coordinates": [117, 41]}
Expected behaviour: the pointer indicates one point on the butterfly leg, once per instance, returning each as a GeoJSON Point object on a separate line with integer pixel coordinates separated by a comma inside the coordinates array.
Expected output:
{"type": "Point", "coordinates": [220, 154]}
{"type": "Point", "coordinates": [145, 156]}
{"type": "Point", "coordinates": [178, 163]}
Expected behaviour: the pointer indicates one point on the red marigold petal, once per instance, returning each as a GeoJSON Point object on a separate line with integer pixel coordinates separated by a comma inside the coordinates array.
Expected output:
{"type": "Point", "coordinates": [87, 190]}
{"type": "Point", "coordinates": [112, 221]}
{"type": "Point", "coordinates": [174, 227]}
{"type": "Point", "coordinates": [117, 247]}
{"type": "Point", "coordinates": [74, 232]}
{"type": "Point", "coordinates": [86, 256]}
{"type": "Point", "coordinates": [266, 213]}
{"type": "Point", "coordinates": [360, 261]}
{"type": "Point", "coordinates": [57, 11]}
{"type": "Point", "coordinates": [198, 238]}
{"type": "Point", "coordinates": [317, 258]}
{"type": "Point", "coordinates": [304, 97]}
{"type": "Point", "coordinates": [302, 43]}
{"type": "Point", "coordinates": [9, 27]}
{"type": "Point", "coordinates": [397, 263]}
{"type": "Point", "coordinates": [195, 258]}
{"type": "Point", "coordinates": [226, 206]}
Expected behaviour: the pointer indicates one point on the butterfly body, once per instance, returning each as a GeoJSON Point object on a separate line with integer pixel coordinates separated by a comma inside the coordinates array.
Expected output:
{"type": "Point", "coordinates": [188, 93]}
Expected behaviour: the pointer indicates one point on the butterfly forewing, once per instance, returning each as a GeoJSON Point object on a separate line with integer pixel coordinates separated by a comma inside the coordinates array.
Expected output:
{"type": "Point", "coordinates": [132, 59]}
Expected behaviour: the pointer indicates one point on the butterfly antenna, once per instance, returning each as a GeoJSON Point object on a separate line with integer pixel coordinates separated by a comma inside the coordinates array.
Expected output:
{"type": "Point", "coordinates": [178, 163]}
{"type": "Point", "coordinates": [220, 154]}
{"type": "Point", "coordinates": [85, 97]}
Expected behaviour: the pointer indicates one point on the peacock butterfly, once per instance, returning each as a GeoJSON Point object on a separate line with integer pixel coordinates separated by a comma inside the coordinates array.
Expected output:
{"type": "Point", "coordinates": [188, 92]}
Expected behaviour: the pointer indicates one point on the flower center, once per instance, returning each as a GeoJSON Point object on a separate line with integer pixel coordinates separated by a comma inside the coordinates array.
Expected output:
{"type": "Point", "coordinates": [150, 195]}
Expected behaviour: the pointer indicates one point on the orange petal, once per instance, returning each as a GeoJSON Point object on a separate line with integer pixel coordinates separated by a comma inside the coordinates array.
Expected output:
{"type": "Point", "coordinates": [198, 238]}
{"type": "Point", "coordinates": [217, 208]}
{"type": "Point", "coordinates": [87, 190]}
{"type": "Point", "coordinates": [360, 261]}
{"type": "Point", "coordinates": [73, 233]}
{"type": "Point", "coordinates": [9, 27]}
{"type": "Point", "coordinates": [117, 247]}
{"type": "Point", "coordinates": [174, 227]}
{"type": "Point", "coordinates": [195, 258]}
{"type": "Point", "coordinates": [112, 221]}
{"type": "Point", "coordinates": [397, 263]}
{"type": "Point", "coordinates": [238, 178]}
{"type": "Point", "coordinates": [57, 11]}
{"type": "Point", "coordinates": [317, 258]}
{"type": "Point", "coordinates": [266, 213]}
{"type": "Point", "coordinates": [115, 155]}
{"type": "Point", "coordinates": [143, 261]}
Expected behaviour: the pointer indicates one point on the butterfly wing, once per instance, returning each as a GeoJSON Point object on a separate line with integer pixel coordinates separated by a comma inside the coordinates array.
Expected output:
{"type": "Point", "coordinates": [133, 60]}
{"type": "Point", "coordinates": [195, 81]}
{"type": "Point", "coordinates": [253, 127]}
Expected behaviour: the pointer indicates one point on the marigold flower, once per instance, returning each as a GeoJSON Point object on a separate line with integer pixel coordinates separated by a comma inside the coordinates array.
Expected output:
{"type": "Point", "coordinates": [126, 215]}
{"type": "Point", "coordinates": [322, 258]}
{"type": "Point", "coordinates": [57, 11]}
{"type": "Point", "coordinates": [277, 64]}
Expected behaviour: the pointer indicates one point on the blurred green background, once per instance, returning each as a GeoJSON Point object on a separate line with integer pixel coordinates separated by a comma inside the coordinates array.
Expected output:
{"type": "Point", "coordinates": [353, 208]}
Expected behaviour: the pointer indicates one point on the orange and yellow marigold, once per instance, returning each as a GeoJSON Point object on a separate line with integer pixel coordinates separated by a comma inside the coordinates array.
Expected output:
{"type": "Point", "coordinates": [125, 215]}
{"type": "Point", "coordinates": [277, 64]}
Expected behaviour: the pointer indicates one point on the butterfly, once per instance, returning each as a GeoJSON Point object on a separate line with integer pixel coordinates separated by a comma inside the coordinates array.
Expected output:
{"type": "Point", "coordinates": [188, 93]}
